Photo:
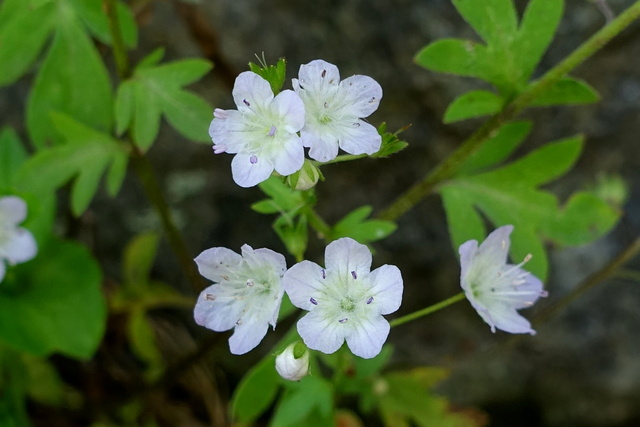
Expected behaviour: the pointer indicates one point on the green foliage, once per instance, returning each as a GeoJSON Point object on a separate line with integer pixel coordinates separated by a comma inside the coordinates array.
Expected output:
{"type": "Point", "coordinates": [391, 144]}
{"type": "Point", "coordinates": [94, 17]}
{"type": "Point", "coordinates": [274, 74]}
{"type": "Point", "coordinates": [156, 90]}
{"type": "Point", "coordinates": [256, 392]}
{"type": "Point", "coordinates": [405, 399]}
{"type": "Point", "coordinates": [510, 195]}
{"type": "Point", "coordinates": [72, 80]}
{"type": "Point", "coordinates": [475, 103]}
{"type": "Point", "coordinates": [356, 225]}
{"type": "Point", "coordinates": [42, 300]}
{"type": "Point", "coordinates": [12, 156]}
{"type": "Point", "coordinates": [307, 402]}
{"type": "Point", "coordinates": [85, 154]}
{"type": "Point", "coordinates": [567, 91]}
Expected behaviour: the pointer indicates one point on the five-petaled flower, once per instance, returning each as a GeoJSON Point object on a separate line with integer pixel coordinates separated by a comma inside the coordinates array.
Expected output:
{"type": "Point", "coordinates": [262, 132]}
{"type": "Point", "coordinates": [17, 244]}
{"type": "Point", "coordinates": [334, 110]}
{"type": "Point", "coordinates": [345, 300]}
{"type": "Point", "coordinates": [246, 294]}
{"type": "Point", "coordinates": [497, 289]}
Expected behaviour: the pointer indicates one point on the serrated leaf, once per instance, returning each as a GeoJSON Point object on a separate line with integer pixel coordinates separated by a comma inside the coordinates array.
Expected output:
{"type": "Point", "coordinates": [509, 195]}
{"type": "Point", "coordinates": [93, 14]}
{"type": "Point", "coordinates": [497, 148]}
{"type": "Point", "coordinates": [157, 91]}
{"type": "Point", "coordinates": [23, 34]}
{"type": "Point", "coordinates": [476, 103]}
{"type": "Point", "coordinates": [356, 226]}
{"type": "Point", "coordinates": [567, 91]}
{"type": "Point", "coordinates": [391, 144]}
{"type": "Point", "coordinates": [72, 80]}
{"type": "Point", "coordinates": [12, 156]}
{"type": "Point", "coordinates": [85, 154]}
{"type": "Point", "coordinates": [40, 305]}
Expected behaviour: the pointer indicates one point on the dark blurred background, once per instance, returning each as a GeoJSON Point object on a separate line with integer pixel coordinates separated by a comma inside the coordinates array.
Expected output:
{"type": "Point", "coordinates": [583, 366]}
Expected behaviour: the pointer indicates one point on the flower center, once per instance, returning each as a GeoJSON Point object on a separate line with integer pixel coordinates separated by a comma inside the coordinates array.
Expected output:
{"type": "Point", "coordinates": [347, 304]}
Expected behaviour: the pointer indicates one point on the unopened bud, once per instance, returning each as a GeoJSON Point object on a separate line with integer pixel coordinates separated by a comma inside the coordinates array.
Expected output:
{"type": "Point", "coordinates": [305, 178]}
{"type": "Point", "coordinates": [289, 366]}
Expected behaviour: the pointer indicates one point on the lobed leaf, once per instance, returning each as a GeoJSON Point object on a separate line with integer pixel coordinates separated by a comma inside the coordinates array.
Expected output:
{"type": "Point", "coordinates": [494, 20]}
{"type": "Point", "coordinates": [356, 226]}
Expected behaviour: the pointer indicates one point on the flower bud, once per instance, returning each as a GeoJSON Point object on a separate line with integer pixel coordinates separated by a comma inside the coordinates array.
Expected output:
{"type": "Point", "coordinates": [289, 366]}
{"type": "Point", "coordinates": [305, 178]}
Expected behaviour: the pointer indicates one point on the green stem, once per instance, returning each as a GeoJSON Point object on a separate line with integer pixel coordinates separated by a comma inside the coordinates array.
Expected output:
{"type": "Point", "coordinates": [119, 49]}
{"type": "Point", "coordinates": [427, 310]}
{"type": "Point", "coordinates": [341, 158]}
{"type": "Point", "coordinates": [317, 223]}
{"type": "Point", "coordinates": [449, 166]}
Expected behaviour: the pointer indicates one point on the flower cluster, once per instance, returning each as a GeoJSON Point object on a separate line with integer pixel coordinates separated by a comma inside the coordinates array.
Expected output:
{"type": "Point", "coordinates": [345, 300]}
{"type": "Point", "coordinates": [17, 244]}
{"type": "Point", "coordinates": [268, 132]}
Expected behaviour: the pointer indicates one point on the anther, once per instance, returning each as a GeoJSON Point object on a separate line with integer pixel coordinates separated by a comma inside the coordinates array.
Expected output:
{"type": "Point", "coordinates": [219, 149]}
{"type": "Point", "coordinates": [343, 320]}
{"type": "Point", "coordinates": [326, 105]}
{"type": "Point", "coordinates": [224, 277]}
{"type": "Point", "coordinates": [253, 160]}
{"type": "Point", "coordinates": [370, 300]}
{"type": "Point", "coordinates": [210, 297]}
{"type": "Point", "coordinates": [356, 125]}
{"type": "Point", "coordinates": [544, 294]}
{"type": "Point", "coordinates": [250, 283]}
{"type": "Point", "coordinates": [246, 103]}
{"type": "Point", "coordinates": [272, 131]}
{"type": "Point", "coordinates": [354, 275]}
{"type": "Point", "coordinates": [313, 301]}
{"type": "Point", "coordinates": [324, 73]}
{"type": "Point", "coordinates": [324, 273]}
{"type": "Point", "coordinates": [239, 322]}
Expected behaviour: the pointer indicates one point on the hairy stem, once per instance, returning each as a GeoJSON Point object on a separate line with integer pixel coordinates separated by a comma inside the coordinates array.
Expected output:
{"type": "Point", "coordinates": [427, 310]}
{"type": "Point", "coordinates": [449, 166]}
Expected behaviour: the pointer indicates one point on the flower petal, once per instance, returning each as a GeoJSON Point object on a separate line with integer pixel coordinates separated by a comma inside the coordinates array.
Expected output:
{"type": "Point", "coordinates": [20, 246]}
{"type": "Point", "coordinates": [217, 262]}
{"type": "Point", "coordinates": [259, 258]}
{"type": "Point", "coordinates": [363, 93]}
{"type": "Point", "coordinates": [318, 75]}
{"type": "Point", "coordinates": [361, 139]}
{"type": "Point", "coordinates": [324, 147]}
{"type": "Point", "coordinates": [322, 334]}
{"type": "Point", "coordinates": [216, 309]}
{"type": "Point", "coordinates": [249, 170]}
{"type": "Point", "coordinates": [13, 210]}
{"type": "Point", "coordinates": [230, 131]}
{"type": "Point", "coordinates": [367, 338]}
{"type": "Point", "coordinates": [302, 282]}
{"type": "Point", "coordinates": [467, 251]}
{"type": "Point", "coordinates": [248, 334]}
{"type": "Point", "coordinates": [290, 156]}
{"type": "Point", "coordinates": [288, 105]}
{"type": "Point", "coordinates": [251, 92]}
{"type": "Point", "coordinates": [386, 288]}
{"type": "Point", "coordinates": [345, 255]}
{"type": "Point", "coordinates": [495, 248]}
{"type": "Point", "coordinates": [506, 318]}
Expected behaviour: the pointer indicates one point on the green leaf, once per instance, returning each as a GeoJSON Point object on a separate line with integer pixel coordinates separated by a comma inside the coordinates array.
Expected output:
{"type": "Point", "coordinates": [12, 156]}
{"type": "Point", "coordinates": [356, 226]}
{"type": "Point", "coordinates": [494, 20]}
{"type": "Point", "coordinates": [391, 144]}
{"type": "Point", "coordinates": [473, 104]}
{"type": "Point", "coordinates": [509, 195]}
{"type": "Point", "coordinates": [138, 260]}
{"type": "Point", "coordinates": [497, 148]}
{"type": "Point", "coordinates": [301, 398]}
{"type": "Point", "coordinates": [293, 233]}
{"type": "Point", "coordinates": [455, 56]}
{"type": "Point", "coordinates": [22, 36]}
{"type": "Point", "coordinates": [85, 154]}
{"type": "Point", "coordinates": [54, 303]}
{"type": "Point", "coordinates": [274, 74]}
{"type": "Point", "coordinates": [538, 25]}
{"type": "Point", "coordinates": [283, 198]}
{"type": "Point", "coordinates": [143, 342]}
{"type": "Point", "coordinates": [256, 392]}
{"type": "Point", "coordinates": [158, 90]}
{"type": "Point", "coordinates": [567, 91]}
{"type": "Point", "coordinates": [72, 80]}
{"type": "Point", "coordinates": [95, 18]}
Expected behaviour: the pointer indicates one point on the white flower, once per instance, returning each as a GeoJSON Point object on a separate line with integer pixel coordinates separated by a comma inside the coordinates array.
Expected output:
{"type": "Point", "coordinates": [334, 110]}
{"type": "Point", "coordinates": [345, 300]}
{"type": "Point", "coordinates": [289, 366]}
{"type": "Point", "coordinates": [16, 243]}
{"type": "Point", "coordinates": [246, 294]}
{"type": "Point", "coordinates": [262, 131]}
{"type": "Point", "coordinates": [497, 289]}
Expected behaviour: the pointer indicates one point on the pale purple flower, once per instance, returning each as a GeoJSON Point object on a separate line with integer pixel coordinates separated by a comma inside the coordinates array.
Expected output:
{"type": "Point", "coordinates": [262, 132]}
{"type": "Point", "coordinates": [17, 244]}
{"type": "Point", "coordinates": [246, 294]}
{"type": "Point", "coordinates": [497, 289]}
{"type": "Point", "coordinates": [334, 111]}
{"type": "Point", "coordinates": [345, 300]}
